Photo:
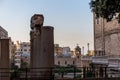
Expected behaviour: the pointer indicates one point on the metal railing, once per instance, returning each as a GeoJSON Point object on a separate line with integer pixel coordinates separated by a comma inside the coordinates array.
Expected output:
{"type": "Point", "coordinates": [59, 73]}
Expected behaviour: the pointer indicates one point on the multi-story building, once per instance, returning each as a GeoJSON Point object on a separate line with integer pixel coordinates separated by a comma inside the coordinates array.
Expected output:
{"type": "Point", "coordinates": [65, 61]}
{"type": "Point", "coordinates": [106, 41]}
{"type": "Point", "coordinates": [86, 61]}
{"type": "Point", "coordinates": [68, 58]}
{"type": "Point", "coordinates": [12, 47]}
{"type": "Point", "coordinates": [22, 54]}
{"type": "Point", "coordinates": [12, 52]}
{"type": "Point", "coordinates": [57, 50]}
{"type": "Point", "coordinates": [3, 33]}
{"type": "Point", "coordinates": [106, 37]}
{"type": "Point", "coordinates": [25, 47]}
{"type": "Point", "coordinates": [64, 56]}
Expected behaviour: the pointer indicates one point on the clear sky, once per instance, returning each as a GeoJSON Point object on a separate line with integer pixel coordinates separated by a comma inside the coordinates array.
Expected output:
{"type": "Point", "coordinates": [72, 20]}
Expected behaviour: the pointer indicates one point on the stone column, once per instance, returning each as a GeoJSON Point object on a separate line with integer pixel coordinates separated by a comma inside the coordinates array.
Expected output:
{"type": "Point", "coordinates": [35, 48]}
{"type": "Point", "coordinates": [42, 47]}
{"type": "Point", "coordinates": [35, 39]}
{"type": "Point", "coordinates": [47, 50]}
{"type": "Point", "coordinates": [47, 47]}
{"type": "Point", "coordinates": [4, 59]}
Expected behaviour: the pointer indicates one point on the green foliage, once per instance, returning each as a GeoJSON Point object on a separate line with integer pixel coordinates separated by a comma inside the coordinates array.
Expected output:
{"type": "Point", "coordinates": [15, 72]}
{"type": "Point", "coordinates": [90, 74]}
{"type": "Point", "coordinates": [106, 8]}
{"type": "Point", "coordinates": [24, 64]}
{"type": "Point", "coordinates": [78, 76]}
{"type": "Point", "coordinates": [65, 70]}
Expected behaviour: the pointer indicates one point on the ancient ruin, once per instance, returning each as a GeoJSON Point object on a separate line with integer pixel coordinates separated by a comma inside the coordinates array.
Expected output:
{"type": "Point", "coordinates": [42, 44]}
{"type": "Point", "coordinates": [106, 37]}
{"type": "Point", "coordinates": [4, 59]}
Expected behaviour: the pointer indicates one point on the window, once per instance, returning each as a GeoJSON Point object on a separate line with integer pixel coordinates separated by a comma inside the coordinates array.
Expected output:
{"type": "Point", "coordinates": [25, 45]}
{"type": "Point", "coordinates": [114, 17]}
{"type": "Point", "coordinates": [73, 62]}
{"type": "Point", "coordinates": [97, 21]}
{"type": "Point", "coordinates": [65, 62]}
{"type": "Point", "coordinates": [28, 45]}
{"type": "Point", "coordinates": [59, 62]}
{"type": "Point", "coordinates": [25, 49]}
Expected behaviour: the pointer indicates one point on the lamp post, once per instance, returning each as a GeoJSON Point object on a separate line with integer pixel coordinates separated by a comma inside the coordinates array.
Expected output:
{"type": "Point", "coordinates": [83, 50]}
{"type": "Point", "coordinates": [88, 47]}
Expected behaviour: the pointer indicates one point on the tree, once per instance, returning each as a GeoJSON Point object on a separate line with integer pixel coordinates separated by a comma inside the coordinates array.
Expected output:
{"type": "Point", "coordinates": [106, 9]}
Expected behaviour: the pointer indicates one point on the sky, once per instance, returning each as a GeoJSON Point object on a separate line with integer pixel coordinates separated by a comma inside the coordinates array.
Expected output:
{"type": "Point", "coordinates": [72, 20]}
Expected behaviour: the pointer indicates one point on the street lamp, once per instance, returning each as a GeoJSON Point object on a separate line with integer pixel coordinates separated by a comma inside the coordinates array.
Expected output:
{"type": "Point", "coordinates": [88, 47]}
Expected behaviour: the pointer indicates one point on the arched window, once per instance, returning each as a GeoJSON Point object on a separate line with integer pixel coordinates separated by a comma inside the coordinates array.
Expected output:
{"type": "Point", "coordinates": [78, 57]}
{"type": "Point", "coordinates": [73, 62]}
{"type": "Point", "coordinates": [59, 62]}
{"type": "Point", "coordinates": [65, 62]}
{"type": "Point", "coordinates": [97, 21]}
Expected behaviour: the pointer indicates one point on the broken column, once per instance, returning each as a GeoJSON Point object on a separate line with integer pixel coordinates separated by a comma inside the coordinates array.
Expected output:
{"type": "Point", "coordinates": [47, 46]}
{"type": "Point", "coordinates": [35, 37]}
{"type": "Point", "coordinates": [42, 45]}
{"type": "Point", "coordinates": [4, 59]}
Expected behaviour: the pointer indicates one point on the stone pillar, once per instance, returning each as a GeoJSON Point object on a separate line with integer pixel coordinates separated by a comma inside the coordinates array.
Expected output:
{"type": "Point", "coordinates": [42, 47]}
{"type": "Point", "coordinates": [47, 47]}
{"type": "Point", "coordinates": [4, 59]}
{"type": "Point", "coordinates": [35, 48]}
{"type": "Point", "coordinates": [47, 50]}
{"type": "Point", "coordinates": [35, 39]}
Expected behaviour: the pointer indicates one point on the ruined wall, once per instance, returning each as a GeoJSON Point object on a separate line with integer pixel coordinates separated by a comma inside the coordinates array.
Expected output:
{"type": "Point", "coordinates": [107, 36]}
{"type": "Point", "coordinates": [112, 38]}
{"type": "Point", "coordinates": [98, 30]}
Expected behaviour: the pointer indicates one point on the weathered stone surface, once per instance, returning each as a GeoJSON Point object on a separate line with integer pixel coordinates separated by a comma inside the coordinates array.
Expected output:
{"type": "Point", "coordinates": [35, 38]}
{"type": "Point", "coordinates": [47, 46]}
{"type": "Point", "coordinates": [36, 21]}
{"type": "Point", "coordinates": [107, 36]}
{"type": "Point", "coordinates": [42, 47]}
{"type": "Point", "coordinates": [4, 59]}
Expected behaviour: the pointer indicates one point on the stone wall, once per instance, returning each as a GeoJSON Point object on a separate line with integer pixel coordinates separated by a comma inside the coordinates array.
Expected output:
{"type": "Point", "coordinates": [107, 36]}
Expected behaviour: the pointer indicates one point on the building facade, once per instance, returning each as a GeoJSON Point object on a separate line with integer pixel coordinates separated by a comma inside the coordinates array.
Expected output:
{"type": "Point", "coordinates": [57, 50]}
{"type": "Point", "coordinates": [69, 58]}
{"type": "Point", "coordinates": [106, 37]}
{"type": "Point", "coordinates": [106, 42]}
{"type": "Point", "coordinates": [86, 61]}
{"type": "Point", "coordinates": [22, 54]}
{"type": "Point", "coordinates": [3, 33]}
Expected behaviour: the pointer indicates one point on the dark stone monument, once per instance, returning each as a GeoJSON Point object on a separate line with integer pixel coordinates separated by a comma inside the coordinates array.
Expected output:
{"type": "Point", "coordinates": [42, 46]}
{"type": "Point", "coordinates": [4, 59]}
{"type": "Point", "coordinates": [35, 37]}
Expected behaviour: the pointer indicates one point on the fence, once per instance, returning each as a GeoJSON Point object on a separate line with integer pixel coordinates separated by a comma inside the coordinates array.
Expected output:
{"type": "Point", "coordinates": [58, 73]}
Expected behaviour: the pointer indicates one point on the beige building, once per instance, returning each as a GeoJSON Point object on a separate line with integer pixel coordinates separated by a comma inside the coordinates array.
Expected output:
{"type": "Point", "coordinates": [22, 54]}
{"type": "Point", "coordinates": [57, 50]}
{"type": "Point", "coordinates": [65, 61]}
{"type": "Point", "coordinates": [12, 52]}
{"type": "Point", "coordinates": [69, 58]}
{"type": "Point", "coordinates": [86, 61]}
